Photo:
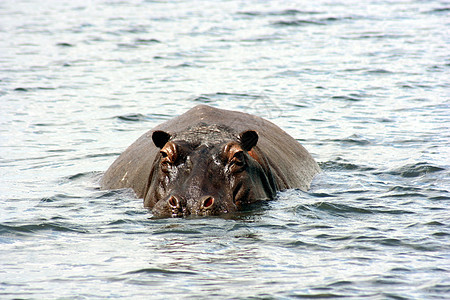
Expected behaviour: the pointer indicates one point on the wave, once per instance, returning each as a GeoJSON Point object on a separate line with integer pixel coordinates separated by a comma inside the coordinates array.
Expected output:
{"type": "Point", "coordinates": [415, 170]}
{"type": "Point", "coordinates": [345, 209]}
{"type": "Point", "coordinates": [297, 23]}
{"type": "Point", "coordinates": [286, 12]}
{"type": "Point", "coordinates": [31, 229]}
{"type": "Point", "coordinates": [152, 271]}
{"type": "Point", "coordinates": [354, 139]}
{"type": "Point", "coordinates": [133, 118]}
{"type": "Point", "coordinates": [441, 10]}
{"type": "Point", "coordinates": [341, 165]}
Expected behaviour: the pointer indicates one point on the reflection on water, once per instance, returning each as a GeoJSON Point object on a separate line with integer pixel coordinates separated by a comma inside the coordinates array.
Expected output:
{"type": "Point", "coordinates": [363, 86]}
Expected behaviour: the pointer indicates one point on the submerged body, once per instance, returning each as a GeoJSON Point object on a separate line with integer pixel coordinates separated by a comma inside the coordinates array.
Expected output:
{"type": "Point", "coordinates": [210, 161]}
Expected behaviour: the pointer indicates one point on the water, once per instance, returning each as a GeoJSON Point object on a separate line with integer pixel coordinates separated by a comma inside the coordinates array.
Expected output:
{"type": "Point", "coordinates": [363, 85]}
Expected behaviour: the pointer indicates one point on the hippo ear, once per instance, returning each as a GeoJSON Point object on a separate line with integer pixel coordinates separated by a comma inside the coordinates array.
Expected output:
{"type": "Point", "coordinates": [248, 139]}
{"type": "Point", "coordinates": [160, 138]}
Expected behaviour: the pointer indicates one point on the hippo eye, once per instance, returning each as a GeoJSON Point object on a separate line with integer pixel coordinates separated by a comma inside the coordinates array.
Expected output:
{"type": "Point", "coordinates": [234, 157]}
{"type": "Point", "coordinates": [169, 155]}
{"type": "Point", "coordinates": [237, 163]}
{"type": "Point", "coordinates": [238, 157]}
{"type": "Point", "coordinates": [166, 160]}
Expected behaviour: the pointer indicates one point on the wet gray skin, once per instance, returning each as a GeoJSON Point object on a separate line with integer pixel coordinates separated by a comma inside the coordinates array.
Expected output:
{"type": "Point", "coordinates": [210, 161]}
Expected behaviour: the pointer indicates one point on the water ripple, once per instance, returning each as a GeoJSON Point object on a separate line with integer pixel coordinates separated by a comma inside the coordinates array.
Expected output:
{"type": "Point", "coordinates": [362, 85]}
{"type": "Point", "coordinates": [297, 23]}
{"type": "Point", "coordinates": [416, 170]}
{"type": "Point", "coordinates": [36, 228]}
{"type": "Point", "coordinates": [133, 118]}
{"type": "Point", "coordinates": [151, 271]}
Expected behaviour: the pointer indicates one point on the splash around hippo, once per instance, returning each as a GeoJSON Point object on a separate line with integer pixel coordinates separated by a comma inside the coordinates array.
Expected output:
{"type": "Point", "coordinates": [210, 161]}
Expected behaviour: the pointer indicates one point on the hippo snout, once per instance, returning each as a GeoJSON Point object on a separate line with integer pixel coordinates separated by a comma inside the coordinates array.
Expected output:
{"type": "Point", "coordinates": [201, 206]}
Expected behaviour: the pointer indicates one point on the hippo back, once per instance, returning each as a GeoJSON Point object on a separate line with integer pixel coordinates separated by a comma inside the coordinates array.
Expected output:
{"type": "Point", "coordinates": [291, 164]}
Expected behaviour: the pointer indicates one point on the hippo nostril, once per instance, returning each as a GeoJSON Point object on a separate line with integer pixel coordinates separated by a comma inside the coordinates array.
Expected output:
{"type": "Point", "coordinates": [173, 202]}
{"type": "Point", "coordinates": [208, 202]}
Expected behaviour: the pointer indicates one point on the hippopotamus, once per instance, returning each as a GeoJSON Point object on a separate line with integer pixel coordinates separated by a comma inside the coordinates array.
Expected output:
{"type": "Point", "coordinates": [211, 161]}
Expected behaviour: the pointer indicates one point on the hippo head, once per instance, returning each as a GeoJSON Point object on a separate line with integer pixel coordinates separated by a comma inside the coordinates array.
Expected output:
{"type": "Point", "coordinates": [206, 171]}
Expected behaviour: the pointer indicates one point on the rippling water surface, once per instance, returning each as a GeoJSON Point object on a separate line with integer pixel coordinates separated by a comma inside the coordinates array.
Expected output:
{"type": "Point", "coordinates": [363, 85]}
